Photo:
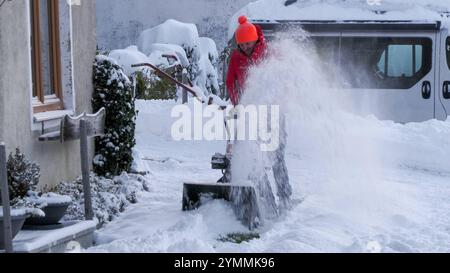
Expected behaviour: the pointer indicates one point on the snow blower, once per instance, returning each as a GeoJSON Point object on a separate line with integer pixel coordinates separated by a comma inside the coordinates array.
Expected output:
{"type": "Point", "coordinates": [243, 198]}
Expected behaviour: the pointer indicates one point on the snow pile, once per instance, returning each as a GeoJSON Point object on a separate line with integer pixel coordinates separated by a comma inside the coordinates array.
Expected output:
{"type": "Point", "coordinates": [157, 117]}
{"type": "Point", "coordinates": [420, 10]}
{"type": "Point", "coordinates": [52, 198]}
{"type": "Point", "coordinates": [14, 212]}
{"type": "Point", "coordinates": [196, 232]}
{"type": "Point", "coordinates": [109, 196]}
{"type": "Point", "coordinates": [42, 200]}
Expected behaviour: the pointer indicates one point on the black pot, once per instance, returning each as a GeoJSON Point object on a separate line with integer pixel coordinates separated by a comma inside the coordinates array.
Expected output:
{"type": "Point", "coordinates": [16, 222]}
{"type": "Point", "coordinates": [53, 214]}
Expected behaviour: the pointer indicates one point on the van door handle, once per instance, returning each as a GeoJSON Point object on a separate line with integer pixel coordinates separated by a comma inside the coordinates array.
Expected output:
{"type": "Point", "coordinates": [446, 90]}
{"type": "Point", "coordinates": [426, 90]}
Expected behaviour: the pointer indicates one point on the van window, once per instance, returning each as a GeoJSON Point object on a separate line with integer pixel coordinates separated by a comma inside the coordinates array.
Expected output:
{"type": "Point", "coordinates": [447, 48]}
{"type": "Point", "coordinates": [402, 60]}
{"type": "Point", "coordinates": [385, 63]}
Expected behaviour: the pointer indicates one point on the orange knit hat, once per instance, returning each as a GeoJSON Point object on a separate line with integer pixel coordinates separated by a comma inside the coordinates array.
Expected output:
{"type": "Point", "coordinates": [246, 32]}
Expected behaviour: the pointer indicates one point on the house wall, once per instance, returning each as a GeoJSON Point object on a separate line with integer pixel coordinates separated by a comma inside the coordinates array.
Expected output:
{"type": "Point", "coordinates": [84, 49]}
{"type": "Point", "coordinates": [58, 161]}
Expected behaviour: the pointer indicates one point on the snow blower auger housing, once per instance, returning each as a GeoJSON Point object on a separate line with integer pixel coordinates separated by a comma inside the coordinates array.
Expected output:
{"type": "Point", "coordinates": [243, 198]}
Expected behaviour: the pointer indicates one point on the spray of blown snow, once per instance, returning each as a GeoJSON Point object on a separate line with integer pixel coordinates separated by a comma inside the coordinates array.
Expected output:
{"type": "Point", "coordinates": [336, 145]}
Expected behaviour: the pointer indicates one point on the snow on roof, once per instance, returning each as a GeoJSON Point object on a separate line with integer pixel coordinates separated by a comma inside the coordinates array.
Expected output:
{"type": "Point", "coordinates": [170, 32]}
{"type": "Point", "coordinates": [339, 10]}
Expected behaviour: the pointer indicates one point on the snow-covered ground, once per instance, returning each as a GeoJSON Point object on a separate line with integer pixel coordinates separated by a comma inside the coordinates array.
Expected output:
{"type": "Point", "coordinates": [404, 209]}
{"type": "Point", "coordinates": [360, 184]}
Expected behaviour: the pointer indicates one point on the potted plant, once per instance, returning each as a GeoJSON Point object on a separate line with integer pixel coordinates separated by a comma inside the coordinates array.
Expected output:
{"type": "Point", "coordinates": [53, 205]}
{"type": "Point", "coordinates": [23, 178]}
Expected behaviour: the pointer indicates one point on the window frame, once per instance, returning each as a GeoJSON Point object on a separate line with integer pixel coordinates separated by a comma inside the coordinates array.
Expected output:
{"type": "Point", "coordinates": [42, 102]}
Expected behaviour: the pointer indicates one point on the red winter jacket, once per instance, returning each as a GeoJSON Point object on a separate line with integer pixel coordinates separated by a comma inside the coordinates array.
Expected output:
{"type": "Point", "coordinates": [239, 65]}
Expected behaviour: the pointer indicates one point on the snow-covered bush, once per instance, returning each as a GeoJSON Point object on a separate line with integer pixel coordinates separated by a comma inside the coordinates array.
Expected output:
{"type": "Point", "coordinates": [201, 53]}
{"type": "Point", "coordinates": [174, 33]}
{"type": "Point", "coordinates": [125, 58]}
{"type": "Point", "coordinates": [23, 178]}
{"type": "Point", "coordinates": [224, 60]}
{"type": "Point", "coordinates": [109, 196]}
{"type": "Point", "coordinates": [113, 90]}
{"type": "Point", "coordinates": [208, 69]}
{"type": "Point", "coordinates": [23, 175]}
{"type": "Point", "coordinates": [147, 84]}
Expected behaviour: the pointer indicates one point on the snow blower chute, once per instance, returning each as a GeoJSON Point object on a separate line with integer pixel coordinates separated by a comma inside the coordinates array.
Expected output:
{"type": "Point", "coordinates": [242, 197]}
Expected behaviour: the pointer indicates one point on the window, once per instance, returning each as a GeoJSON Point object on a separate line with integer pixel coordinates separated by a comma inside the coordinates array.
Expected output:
{"type": "Point", "coordinates": [46, 60]}
{"type": "Point", "coordinates": [447, 48]}
{"type": "Point", "coordinates": [401, 61]}
{"type": "Point", "coordinates": [385, 63]}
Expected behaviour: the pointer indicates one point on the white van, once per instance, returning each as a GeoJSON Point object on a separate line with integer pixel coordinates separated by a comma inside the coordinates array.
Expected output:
{"type": "Point", "coordinates": [402, 67]}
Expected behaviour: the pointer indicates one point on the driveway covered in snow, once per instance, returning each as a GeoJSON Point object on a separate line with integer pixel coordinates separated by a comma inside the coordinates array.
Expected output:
{"type": "Point", "coordinates": [345, 203]}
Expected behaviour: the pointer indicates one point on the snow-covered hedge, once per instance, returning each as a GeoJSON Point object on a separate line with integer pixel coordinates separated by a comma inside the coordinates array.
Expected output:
{"type": "Point", "coordinates": [110, 197]}
{"type": "Point", "coordinates": [113, 90]}
{"type": "Point", "coordinates": [198, 55]}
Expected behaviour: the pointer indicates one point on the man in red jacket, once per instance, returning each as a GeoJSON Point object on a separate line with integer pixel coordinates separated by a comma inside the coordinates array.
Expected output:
{"type": "Point", "coordinates": [251, 50]}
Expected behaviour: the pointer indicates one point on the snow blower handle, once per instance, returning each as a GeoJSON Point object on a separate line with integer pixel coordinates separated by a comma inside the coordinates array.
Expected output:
{"type": "Point", "coordinates": [173, 80]}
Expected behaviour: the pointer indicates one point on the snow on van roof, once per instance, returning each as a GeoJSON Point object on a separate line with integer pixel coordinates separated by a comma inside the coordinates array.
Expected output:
{"type": "Point", "coordinates": [350, 10]}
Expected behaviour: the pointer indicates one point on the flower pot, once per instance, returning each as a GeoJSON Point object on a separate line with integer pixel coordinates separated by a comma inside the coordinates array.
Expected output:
{"type": "Point", "coordinates": [17, 222]}
{"type": "Point", "coordinates": [53, 214]}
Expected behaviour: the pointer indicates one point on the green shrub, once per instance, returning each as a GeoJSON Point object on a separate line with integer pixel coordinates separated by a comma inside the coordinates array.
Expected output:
{"type": "Point", "coordinates": [239, 238]}
{"type": "Point", "coordinates": [154, 88]}
{"type": "Point", "coordinates": [23, 175]}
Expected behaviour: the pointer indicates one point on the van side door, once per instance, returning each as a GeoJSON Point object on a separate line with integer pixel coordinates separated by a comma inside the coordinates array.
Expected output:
{"type": "Point", "coordinates": [443, 103]}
